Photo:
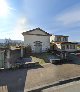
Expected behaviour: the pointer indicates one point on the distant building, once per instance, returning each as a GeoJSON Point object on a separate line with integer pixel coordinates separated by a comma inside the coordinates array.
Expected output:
{"type": "Point", "coordinates": [38, 39]}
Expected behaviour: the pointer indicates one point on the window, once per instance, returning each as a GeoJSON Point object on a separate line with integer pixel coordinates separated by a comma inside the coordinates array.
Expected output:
{"type": "Point", "coordinates": [73, 46]}
{"type": "Point", "coordinates": [64, 38]}
{"type": "Point", "coordinates": [59, 39]}
{"type": "Point", "coordinates": [63, 47]}
{"type": "Point", "coordinates": [67, 46]}
{"type": "Point", "coordinates": [38, 43]}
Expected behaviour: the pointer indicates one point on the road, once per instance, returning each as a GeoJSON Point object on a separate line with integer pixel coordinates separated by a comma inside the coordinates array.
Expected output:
{"type": "Point", "coordinates": [21, 79]}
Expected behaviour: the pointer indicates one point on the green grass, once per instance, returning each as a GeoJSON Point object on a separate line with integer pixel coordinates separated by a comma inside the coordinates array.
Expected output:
{"type": "Point", "coordinates": [41, 62]}
{"type": "Point", "coordinates": [41, 58]}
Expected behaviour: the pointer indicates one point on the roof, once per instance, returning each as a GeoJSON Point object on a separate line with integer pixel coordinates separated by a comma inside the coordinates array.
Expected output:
{"type": "Point", "coordinates": [28, 32]}
{"type": "Point", "coordinates": [62, 35]}
{"type": "Point", "coordinates": [65, 43]}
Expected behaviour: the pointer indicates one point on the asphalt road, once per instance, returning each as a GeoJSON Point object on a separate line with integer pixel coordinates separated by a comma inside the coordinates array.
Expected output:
{"type": "Point", "coordinates": [21, 79]}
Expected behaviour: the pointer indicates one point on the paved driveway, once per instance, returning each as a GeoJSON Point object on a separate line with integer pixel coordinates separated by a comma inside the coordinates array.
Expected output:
{"type": "Point", "coordinates": [21, 79]}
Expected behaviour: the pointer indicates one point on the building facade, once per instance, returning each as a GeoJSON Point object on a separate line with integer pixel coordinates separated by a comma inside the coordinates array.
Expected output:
{"type": "Point", "coordinates": [61, 43]}
{"type": "Point", "coordinates": [38, 39]}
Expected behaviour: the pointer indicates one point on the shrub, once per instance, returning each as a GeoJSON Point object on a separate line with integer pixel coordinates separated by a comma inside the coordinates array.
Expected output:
{"type": "Point", "coordinates": [28, 49]}
{"type": "Point", "coordinates": [48, 50]}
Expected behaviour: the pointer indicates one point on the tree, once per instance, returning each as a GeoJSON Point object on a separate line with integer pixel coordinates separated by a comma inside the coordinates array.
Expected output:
{"type": "Point", "coordinates": [8, 42]}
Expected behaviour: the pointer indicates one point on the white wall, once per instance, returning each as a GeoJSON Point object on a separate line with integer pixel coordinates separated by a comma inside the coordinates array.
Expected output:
{"type": "Point", "coordinates": [58, 46]}
{"type": "Point", "coordinates": [30, 39]}
{"type": "Point", "coordinates": [52, 38]}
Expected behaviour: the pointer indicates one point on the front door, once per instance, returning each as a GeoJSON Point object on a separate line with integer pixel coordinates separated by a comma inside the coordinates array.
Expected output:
{"type": "Point", "coordinates": [38, 47]}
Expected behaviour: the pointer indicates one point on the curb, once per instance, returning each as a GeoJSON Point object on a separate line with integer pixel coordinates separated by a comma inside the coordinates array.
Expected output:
{"type": "Point", "coordinates": [57, 83]}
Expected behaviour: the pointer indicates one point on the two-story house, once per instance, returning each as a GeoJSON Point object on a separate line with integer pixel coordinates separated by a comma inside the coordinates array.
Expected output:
{"type": "Point", "coordinates": [61, 43]}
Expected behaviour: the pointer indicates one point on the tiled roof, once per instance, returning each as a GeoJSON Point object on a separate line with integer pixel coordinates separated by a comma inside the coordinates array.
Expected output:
{"type": "Point", "coordinates": [27, 32]}
{"type": "Point", "coordinates": [61, 35]}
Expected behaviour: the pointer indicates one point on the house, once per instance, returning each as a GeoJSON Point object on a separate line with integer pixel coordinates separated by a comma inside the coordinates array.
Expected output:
{"type": "Point", "coordinates": [62, 46]}
{"type": "Point", "coordinates": [61, 43]}
{"type": "Point", "coordinates": [59, 38]}
{"type": "Point", "coordinates": [38, 39]}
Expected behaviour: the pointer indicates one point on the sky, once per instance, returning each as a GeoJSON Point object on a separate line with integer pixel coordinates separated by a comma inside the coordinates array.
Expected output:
{"type": "Point", "coordinates": [58, 17]}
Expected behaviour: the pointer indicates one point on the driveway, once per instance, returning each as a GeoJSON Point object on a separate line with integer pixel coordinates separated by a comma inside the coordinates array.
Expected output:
{"type": "Point", "coordinates": [22, 79]}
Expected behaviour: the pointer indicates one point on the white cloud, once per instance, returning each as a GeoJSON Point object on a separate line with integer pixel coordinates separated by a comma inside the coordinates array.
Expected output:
{"type": "Point", "coordinates": [16, 32]}
{"type": "Point", "coordinates": [69, 17]}
{"type": "Point", "coordinates": [20, 27]}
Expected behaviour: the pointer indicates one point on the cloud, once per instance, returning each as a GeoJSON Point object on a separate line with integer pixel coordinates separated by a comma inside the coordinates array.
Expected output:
{"type": "Point", "coordinates": [69, 17]}
{"type": "Point", "coordinates": [17, 29]}
{"type": "Point", "coordinates": [14, 32]}
{"type": "Point", "coordinates": [20, 26]}
{"type": "Point", "coordinates": [67, 22]}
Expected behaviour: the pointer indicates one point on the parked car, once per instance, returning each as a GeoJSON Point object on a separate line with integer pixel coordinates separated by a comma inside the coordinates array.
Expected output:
{"type": "Point", "coordinates": [54, 61]}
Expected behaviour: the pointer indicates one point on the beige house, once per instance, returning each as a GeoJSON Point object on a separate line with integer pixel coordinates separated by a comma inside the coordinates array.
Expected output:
{"type": "Point", "coordinates": [38, 39]}
{"type": "Point", "coordinates": [61, 43]}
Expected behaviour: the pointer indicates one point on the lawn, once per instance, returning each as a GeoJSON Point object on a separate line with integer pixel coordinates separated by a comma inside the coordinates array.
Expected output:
{"type": "Point", "coordinates": [42, 58]}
